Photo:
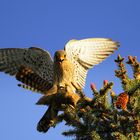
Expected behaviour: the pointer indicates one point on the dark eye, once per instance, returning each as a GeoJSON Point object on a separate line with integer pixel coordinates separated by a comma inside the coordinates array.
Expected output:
{"type": "Point", "coordinates": [56, 54]}
{"type": "Point", "coordinates": [65, 55]}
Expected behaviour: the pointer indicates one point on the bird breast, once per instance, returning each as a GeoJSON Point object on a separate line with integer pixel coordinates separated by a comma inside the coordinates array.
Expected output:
{"type": "Point", "coordinates": [63, 72]}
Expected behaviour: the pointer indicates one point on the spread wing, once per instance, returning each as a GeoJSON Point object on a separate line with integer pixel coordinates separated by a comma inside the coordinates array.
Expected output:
{"type": "Point", "coordinates": [86, 53]}
{"type": "Point", "coordinates": [31, 66]}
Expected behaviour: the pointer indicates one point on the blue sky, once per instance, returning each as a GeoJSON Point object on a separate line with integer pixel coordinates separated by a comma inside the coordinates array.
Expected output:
{"type": "Point", "coordinates": [49, 24]}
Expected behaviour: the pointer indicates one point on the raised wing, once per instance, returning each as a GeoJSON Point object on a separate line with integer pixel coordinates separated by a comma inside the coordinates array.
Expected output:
{"type": "Point", "coordinates": [86, 53]}
{"type": "Point", "coordinates": [30, 66]}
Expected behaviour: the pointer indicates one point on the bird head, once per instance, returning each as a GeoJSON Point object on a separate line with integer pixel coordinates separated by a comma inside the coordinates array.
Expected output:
{"type": "Point", "coordinates": [59, 56]}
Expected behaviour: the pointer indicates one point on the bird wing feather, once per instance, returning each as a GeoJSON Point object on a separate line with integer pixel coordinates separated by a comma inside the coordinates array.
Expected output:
{"type": "Point", "coordinates": [86, 53]}
{"type": "Point", "coordinates": [36, 59]}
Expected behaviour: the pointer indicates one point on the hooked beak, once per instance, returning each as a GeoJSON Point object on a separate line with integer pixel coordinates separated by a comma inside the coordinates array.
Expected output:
{"type": "Point", "coordinates": [61, 59]}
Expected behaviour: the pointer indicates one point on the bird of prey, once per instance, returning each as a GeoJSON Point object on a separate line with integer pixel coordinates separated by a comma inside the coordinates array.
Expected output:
{"type": "Point", "coordinates": [38, 72]}
{"type": "Point", "coordinates": [35, 68]}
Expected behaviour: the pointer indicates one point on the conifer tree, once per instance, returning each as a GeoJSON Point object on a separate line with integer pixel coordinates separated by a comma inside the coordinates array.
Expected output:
{"type": "Point", "coordinates": [99, 118]}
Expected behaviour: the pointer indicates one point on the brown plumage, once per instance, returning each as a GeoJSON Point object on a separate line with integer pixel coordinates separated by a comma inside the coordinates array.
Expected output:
{"type": "Point", "coordinates": [63, 71]}
{"type": "Point", "coordinates": [69, 67]}
{"type": "Point", "coordinates": [48, 119]}
{"type": "Point", "coordinates": [38, 72]}
{"type": "Point", "coordinates": [31, 80]}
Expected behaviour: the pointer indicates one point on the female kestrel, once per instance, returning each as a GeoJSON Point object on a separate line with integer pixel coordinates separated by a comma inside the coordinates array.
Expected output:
{"type": "Point", "coordinates": [37, 71]}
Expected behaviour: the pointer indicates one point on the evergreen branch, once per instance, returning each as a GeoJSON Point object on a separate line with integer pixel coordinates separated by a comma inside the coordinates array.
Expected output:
{"type": "Point", "coordinates": [98, 118]}
{"type": "Point", "coordinates": [132, 61]}
{"type": "Point", "coordinates": [121, 72]}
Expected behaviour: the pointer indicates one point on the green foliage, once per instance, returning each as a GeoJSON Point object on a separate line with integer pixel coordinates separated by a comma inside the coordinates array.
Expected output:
{"type": "Point", "coordinates": [98, 119]}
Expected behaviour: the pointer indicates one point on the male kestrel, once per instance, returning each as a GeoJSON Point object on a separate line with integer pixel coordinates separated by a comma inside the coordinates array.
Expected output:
{"type": "Point", "coordinates": [38, 72]}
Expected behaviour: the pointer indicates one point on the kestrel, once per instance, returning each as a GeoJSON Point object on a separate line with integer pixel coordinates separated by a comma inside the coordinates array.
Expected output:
{"type": "Point", "coordinates": [35, 68]}
{"type": "Point", "coordinates": [38, 72]}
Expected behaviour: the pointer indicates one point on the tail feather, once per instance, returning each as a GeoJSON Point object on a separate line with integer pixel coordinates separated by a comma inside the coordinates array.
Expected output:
{"type": "Point", "coordinates": [48, 119]}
